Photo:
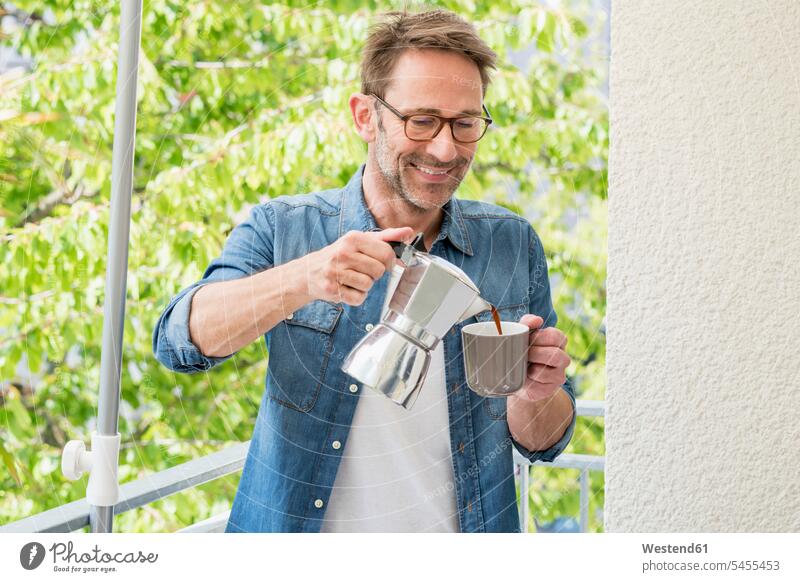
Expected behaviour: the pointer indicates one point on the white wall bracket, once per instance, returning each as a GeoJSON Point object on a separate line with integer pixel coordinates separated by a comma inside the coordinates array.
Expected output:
{"type": "Point", "coordinates": [101, 463]}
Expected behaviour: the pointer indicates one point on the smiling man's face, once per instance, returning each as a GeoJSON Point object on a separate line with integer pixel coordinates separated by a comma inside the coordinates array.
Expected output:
{"type": "Point", "coordinates": [426, 174]}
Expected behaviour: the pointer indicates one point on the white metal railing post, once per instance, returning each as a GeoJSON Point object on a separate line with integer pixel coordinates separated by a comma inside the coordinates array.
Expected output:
{"type": "Point", "coordinates": [584, 481]}
{"type": "Point", "coordinates": [524, 489]}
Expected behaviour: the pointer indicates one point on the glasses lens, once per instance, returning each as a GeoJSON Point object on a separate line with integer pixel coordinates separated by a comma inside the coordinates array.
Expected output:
{"type": "Point", "coordinates": [421, 126]}
{"type": "Point", "coordinates": [468, 129]}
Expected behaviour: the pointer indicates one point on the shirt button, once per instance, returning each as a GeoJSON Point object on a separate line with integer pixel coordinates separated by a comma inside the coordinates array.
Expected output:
{"type": "Point", "coordinates": [353, 388]}
{"type": "Point", "coordinates": [291, 315]}
{"type": "Point", "coordinates": [368, 327]}
{"type": "Point", "coordinates": [453, 331]}
{"type": "Point", "coordinates": [336, 445]}
{"type": "Point", "coordinates": [318, 503]}
{"type": "Point", "coordinates": [461, 448]}
{"type": "Point", "coordinates": [455, 387]}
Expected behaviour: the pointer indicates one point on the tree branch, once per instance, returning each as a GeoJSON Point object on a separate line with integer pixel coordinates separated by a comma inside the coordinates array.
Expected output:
{"type": "Point", "coordinates": [25, 18]}
{"type": "Point", "coordinates": [46, 205]}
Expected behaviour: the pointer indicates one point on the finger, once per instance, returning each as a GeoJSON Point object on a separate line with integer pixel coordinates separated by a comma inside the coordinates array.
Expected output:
{"type": "Point", "coordinates": [532, 321]}
{"type": "Point", "coordinates": [378, 249]}
{"type": "Point", "coordinates": [535, 391]}
{"type": "Point", "coordinates": [403, 233]}
{"type": "Point", "coordinates": [356, 280]}
{"type": "Point", "coordinates": [546, 375]}
{"type": "Point", "coordinates": [549, 356]}
{"type": "Point", "coordinates": [363, 263]}
{"type": "Point", "coordinates": [549, 336]}
{"type": "Point", "coordinates": [351, 296]}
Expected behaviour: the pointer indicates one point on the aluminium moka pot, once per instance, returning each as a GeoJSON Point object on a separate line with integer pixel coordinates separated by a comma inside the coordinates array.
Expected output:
{"type": "Point", "coordinates": [425, 298]}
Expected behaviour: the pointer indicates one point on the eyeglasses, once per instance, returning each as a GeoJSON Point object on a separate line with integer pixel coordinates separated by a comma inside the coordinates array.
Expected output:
{"type": "Point", "coordinates": [426, 126]}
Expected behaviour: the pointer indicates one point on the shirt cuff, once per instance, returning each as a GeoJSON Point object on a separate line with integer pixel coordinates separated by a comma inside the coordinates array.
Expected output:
{"type": "Point", "coordinates": [187, 353]}
{"type": "Point", "coordinates": [548, 455]}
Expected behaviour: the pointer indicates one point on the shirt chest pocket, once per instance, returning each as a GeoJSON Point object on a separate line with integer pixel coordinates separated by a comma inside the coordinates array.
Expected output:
{"type": "Point", "coordinates": [496, 407]}
{"type": "Point", "coordinates": [300, 351]}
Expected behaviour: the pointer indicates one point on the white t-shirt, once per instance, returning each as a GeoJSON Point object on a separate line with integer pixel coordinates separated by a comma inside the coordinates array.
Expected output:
{"type": "Point", "coordinates": [396, 472]}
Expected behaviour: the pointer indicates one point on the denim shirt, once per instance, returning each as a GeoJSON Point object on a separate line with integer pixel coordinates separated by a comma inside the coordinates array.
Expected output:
{"type": "Point", "coordinates": [308, 403]}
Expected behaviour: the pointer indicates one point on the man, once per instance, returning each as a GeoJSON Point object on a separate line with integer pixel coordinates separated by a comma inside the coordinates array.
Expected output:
{"type": "Point", "coordinates": [309, 272]}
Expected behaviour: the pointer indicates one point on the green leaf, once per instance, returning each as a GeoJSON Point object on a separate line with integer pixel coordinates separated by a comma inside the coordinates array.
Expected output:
{"type": "Point", "coordinates": [19, 420]}
{"type": "Point", "coordinates": [10, 463]}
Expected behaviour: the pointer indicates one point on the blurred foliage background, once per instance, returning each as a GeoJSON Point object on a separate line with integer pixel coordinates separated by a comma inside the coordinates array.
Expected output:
{"type": "Point", "coordinates": [238, 102]}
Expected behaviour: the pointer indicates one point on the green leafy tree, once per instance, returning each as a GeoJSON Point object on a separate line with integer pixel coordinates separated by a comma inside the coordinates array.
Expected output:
{"type": "Point", "coordinates": [238, 102]}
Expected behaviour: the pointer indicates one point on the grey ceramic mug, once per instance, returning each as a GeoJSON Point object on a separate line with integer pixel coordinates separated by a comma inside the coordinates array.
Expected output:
{"type": "Point", "coordinates": [495, 365]}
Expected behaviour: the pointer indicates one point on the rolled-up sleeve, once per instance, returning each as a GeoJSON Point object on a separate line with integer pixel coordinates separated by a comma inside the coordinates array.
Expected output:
{"type": "Point", "coordinates": [541, 304]}
{"type": "Point", "coordinates": [248, 250]}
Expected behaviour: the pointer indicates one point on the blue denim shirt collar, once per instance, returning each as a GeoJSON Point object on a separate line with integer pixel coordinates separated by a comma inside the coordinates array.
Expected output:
{"type": "Point", "coordinates": [356, 216]}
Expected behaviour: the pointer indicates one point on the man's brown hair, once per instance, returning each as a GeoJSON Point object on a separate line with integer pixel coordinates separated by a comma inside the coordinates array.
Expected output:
{"type": "Point", "coordinates": [434, 29]}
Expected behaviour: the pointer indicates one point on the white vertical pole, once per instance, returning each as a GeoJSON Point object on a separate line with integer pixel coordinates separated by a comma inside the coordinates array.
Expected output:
{"type": "Point", "coordinates": [130, 28]}
{"type": "Point", "coordinates": [524, 486]}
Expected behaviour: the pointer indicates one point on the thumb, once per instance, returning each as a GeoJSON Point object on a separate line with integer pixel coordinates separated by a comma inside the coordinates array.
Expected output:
{"type": "Point", "coordinates": [403, 233]}
{"type": "Point", "coordinates": [532, 321]}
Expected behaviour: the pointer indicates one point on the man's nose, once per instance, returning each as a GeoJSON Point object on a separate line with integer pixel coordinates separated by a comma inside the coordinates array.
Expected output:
{"type": "Point", "coordinates": [443, 146]}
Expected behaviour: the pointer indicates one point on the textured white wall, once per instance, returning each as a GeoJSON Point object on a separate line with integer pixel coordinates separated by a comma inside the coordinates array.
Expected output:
{"type": "Point", "coordinates": [703, 423]}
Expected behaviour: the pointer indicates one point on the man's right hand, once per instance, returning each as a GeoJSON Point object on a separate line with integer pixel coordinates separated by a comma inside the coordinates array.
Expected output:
{"type": "Point", "coordinates": [343, 272]}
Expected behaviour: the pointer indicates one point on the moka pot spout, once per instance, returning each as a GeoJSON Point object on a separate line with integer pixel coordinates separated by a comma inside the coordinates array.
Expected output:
{"type": "Point", "coordinates": [477, 306]}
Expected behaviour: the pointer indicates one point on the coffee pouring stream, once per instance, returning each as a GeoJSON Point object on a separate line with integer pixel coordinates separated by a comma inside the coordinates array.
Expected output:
{"type": "Point", "coordinates": [426, 297]}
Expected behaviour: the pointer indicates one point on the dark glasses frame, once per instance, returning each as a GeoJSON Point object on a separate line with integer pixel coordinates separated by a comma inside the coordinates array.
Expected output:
{"type": "Point", "coordinates": [442, 121]}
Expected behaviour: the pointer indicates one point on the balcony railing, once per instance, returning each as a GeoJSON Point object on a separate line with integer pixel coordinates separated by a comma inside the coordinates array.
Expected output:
{"type": "Point", "coordinates": [75, 516]}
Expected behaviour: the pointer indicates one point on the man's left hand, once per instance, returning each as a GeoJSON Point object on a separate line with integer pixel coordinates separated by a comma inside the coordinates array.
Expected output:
{"type": "Point", "coordinates": [547, 360]}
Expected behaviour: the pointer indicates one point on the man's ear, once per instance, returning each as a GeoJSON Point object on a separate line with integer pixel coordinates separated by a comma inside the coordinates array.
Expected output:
{"type": "Point", "coordinates": [366, 125]}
